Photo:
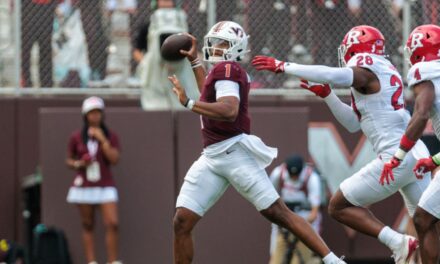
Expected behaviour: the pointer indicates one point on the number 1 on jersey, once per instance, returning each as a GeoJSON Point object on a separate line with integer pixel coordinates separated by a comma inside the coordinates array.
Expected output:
{"type": "Point", "coordinates": [228, 70]}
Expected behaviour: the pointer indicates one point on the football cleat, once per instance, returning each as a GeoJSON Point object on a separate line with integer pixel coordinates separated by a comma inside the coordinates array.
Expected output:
{"type": "Point", "coordinates": [407, 248]}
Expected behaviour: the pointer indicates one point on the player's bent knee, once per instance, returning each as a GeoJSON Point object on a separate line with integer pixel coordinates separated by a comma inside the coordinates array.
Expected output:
{"type": "Point", "coordinates": [423, 221]}
{"type": "Point", "coordinates": [336, 204]}
{"type": "Point", "coordinates": [182, 223]}
{"type": "Point", "coordinates": [276, 213]}
{"type": "Point", "coordinates": [332, 208]}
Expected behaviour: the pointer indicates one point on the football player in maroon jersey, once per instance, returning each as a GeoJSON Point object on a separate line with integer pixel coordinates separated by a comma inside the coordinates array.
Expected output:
{"type": "Point", "coordinates": [231, 156]}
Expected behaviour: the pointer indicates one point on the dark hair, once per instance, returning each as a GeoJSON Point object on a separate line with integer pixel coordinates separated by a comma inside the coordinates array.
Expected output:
{"type": "Point", "coordinates": [85, 129]}
{"type": "Point", "coordinates": [294, 164]}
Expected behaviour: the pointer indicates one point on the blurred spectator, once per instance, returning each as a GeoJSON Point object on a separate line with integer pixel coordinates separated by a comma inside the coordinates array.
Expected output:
{"type": "Point", "coordinates": [139, 29]}
{"type": "Point", "coordinates": [225, 10]}
{"type": "Point", "coordinates": [137, 12]}
{"type": "Point", "coordinates": [269, 25]}
{"type": "Point", "coordinates": [300, 188]}
{"type": "Point", "coordinates": [300, 22]}
{"type": "Point", "coordinates": [270, 34]}
{"type": "Point", "coordinates": [330, 21]}
{"type": "Point", "coordinates": [70, 59]}
{"type": "Point", "coordinates": [430, 11]}
{"type": "Point", "coordinates": [128, 6]}
{"type": "Point", "coordinates": [153, 71]}
{"type": "Point", "coordinates": [298, 54]}
{"type": "Point", "coordinates": [36, 27]}
{"type": "Point", "coordinates": [91, 151]}
{"type": "Point", "coordinates": [388, 25]}
{"type": "Point", "coordinates": [96, 36]}
{"type": "Point", "coordinates": [140, 45]}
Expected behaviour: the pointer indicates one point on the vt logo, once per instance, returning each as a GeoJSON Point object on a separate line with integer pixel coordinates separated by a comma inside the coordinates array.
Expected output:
{"type": "Point", "coordinates": [336, 163]}
{"type": "Point", "coordinates": [331, 156]}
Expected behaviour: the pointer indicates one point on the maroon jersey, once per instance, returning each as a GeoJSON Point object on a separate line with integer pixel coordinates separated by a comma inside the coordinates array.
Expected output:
{"type": "Point", "coordinates": [214, 131]}
{"type": "Point", "coordinates": [77, 148]}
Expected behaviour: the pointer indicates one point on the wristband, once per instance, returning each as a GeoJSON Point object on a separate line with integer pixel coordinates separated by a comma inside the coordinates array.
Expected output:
{"type": "Point", "coordinates": [195, 61]}
{"type": "Point", "coordinates": [190, 104]}
{"type": "Point", "coordinates": [400, 154]}
{"type": "Point", "coordinates": [406, 143]}
{"type": "Point", "coordinates": [436, 159]}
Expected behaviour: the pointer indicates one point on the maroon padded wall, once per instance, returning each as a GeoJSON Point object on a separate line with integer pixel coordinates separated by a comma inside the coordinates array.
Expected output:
{"type": "Point", "coordinates": [20, 155]}
{"type": "Point", "coordinates": [144, 177]}
{"type": "Point", "coordinates": [27, 134]}
{"type": "Point", "coordinates": [8, 181]}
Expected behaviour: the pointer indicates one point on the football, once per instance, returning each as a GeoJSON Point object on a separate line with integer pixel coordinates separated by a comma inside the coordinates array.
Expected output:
{"type": "Point", "coordinates": [172, 45]}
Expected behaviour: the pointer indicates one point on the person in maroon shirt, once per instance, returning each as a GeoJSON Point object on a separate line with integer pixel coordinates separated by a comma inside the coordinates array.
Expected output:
{"type": "Point", "coordinates": [231, 156]}
{"type": "Point", "coordinates": [91, 152]}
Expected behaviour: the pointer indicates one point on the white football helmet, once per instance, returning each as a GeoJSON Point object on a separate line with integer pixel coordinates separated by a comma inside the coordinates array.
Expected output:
{"type": "Point", "coordinates": [225, 31]}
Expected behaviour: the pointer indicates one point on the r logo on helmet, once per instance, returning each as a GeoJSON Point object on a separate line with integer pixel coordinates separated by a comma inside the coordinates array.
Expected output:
{"type": "Point", "coordinates": [416, 41]}
{"type": "Point", "coordinates": [353, 37]}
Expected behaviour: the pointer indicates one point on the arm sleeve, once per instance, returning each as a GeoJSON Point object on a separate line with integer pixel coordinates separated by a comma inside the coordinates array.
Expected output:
{"type": "Point", "coordinates": [343, 113]}
{"type": "Point", "coordinates": [227, 88]}
{"type": "Point", "coordinates": [340, 77]}
{"type": "Point", "coordinates": [314, 188]}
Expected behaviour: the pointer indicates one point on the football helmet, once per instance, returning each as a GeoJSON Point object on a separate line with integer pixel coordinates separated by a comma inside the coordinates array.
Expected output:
{"type": "Point", "coordinates": [225, 32]}
{"type": "Point", "coordinates": [361, 39]}
{"type": "Point", "coordinates": [423, 44]}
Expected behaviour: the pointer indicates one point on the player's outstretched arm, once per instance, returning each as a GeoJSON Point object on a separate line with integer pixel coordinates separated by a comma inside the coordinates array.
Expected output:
{"type": "Point", "coordinates": [425, 95]}
{"type": "Point", "coordinates": [342, 112]}
{"type": "Point", "coordinates": [225, 109]}
{"type": "Point", "coordinates": [196, 65]}
{"type": "Point", "coordinates": [338, 77]}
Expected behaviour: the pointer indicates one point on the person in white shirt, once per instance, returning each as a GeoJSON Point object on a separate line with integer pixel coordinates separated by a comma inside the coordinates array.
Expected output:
{"type": "Point", "coordinates": [300, 187]}
{"type": "Point", "coordinates": [378, 110]}
{"type": "Point", "coordinates": [423, 46]}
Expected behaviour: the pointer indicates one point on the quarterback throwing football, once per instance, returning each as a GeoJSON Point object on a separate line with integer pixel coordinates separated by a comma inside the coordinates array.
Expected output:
{"type": "Point", "coordinates": [231, 156]}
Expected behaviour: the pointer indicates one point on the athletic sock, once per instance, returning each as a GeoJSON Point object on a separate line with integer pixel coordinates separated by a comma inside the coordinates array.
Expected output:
{"type": "Point", "coordinates": [330, 258]}
{"type": "Point", "coordinates": [390, 238]}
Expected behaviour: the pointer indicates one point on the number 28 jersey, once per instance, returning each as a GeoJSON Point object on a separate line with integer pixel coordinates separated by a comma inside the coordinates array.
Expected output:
{"type": "Point", "coordinates": [382, 115]}
{"type": "Point", "coordinates": [428, 71]}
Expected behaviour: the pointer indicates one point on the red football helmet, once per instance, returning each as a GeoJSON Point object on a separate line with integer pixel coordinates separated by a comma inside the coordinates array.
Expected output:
{"type": "Point", "coordinates": [361, 39]}
{"type": "Point", "coordinates": [423, 44]}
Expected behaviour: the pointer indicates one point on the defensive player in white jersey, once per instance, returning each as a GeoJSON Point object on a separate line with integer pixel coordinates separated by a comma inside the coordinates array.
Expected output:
{"type": "Point", "coordinates": [231, 156]}
{"type": "Point", "coordinates": [423, 47]}
{"type": "Point", "coordinates": [378, 109]}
